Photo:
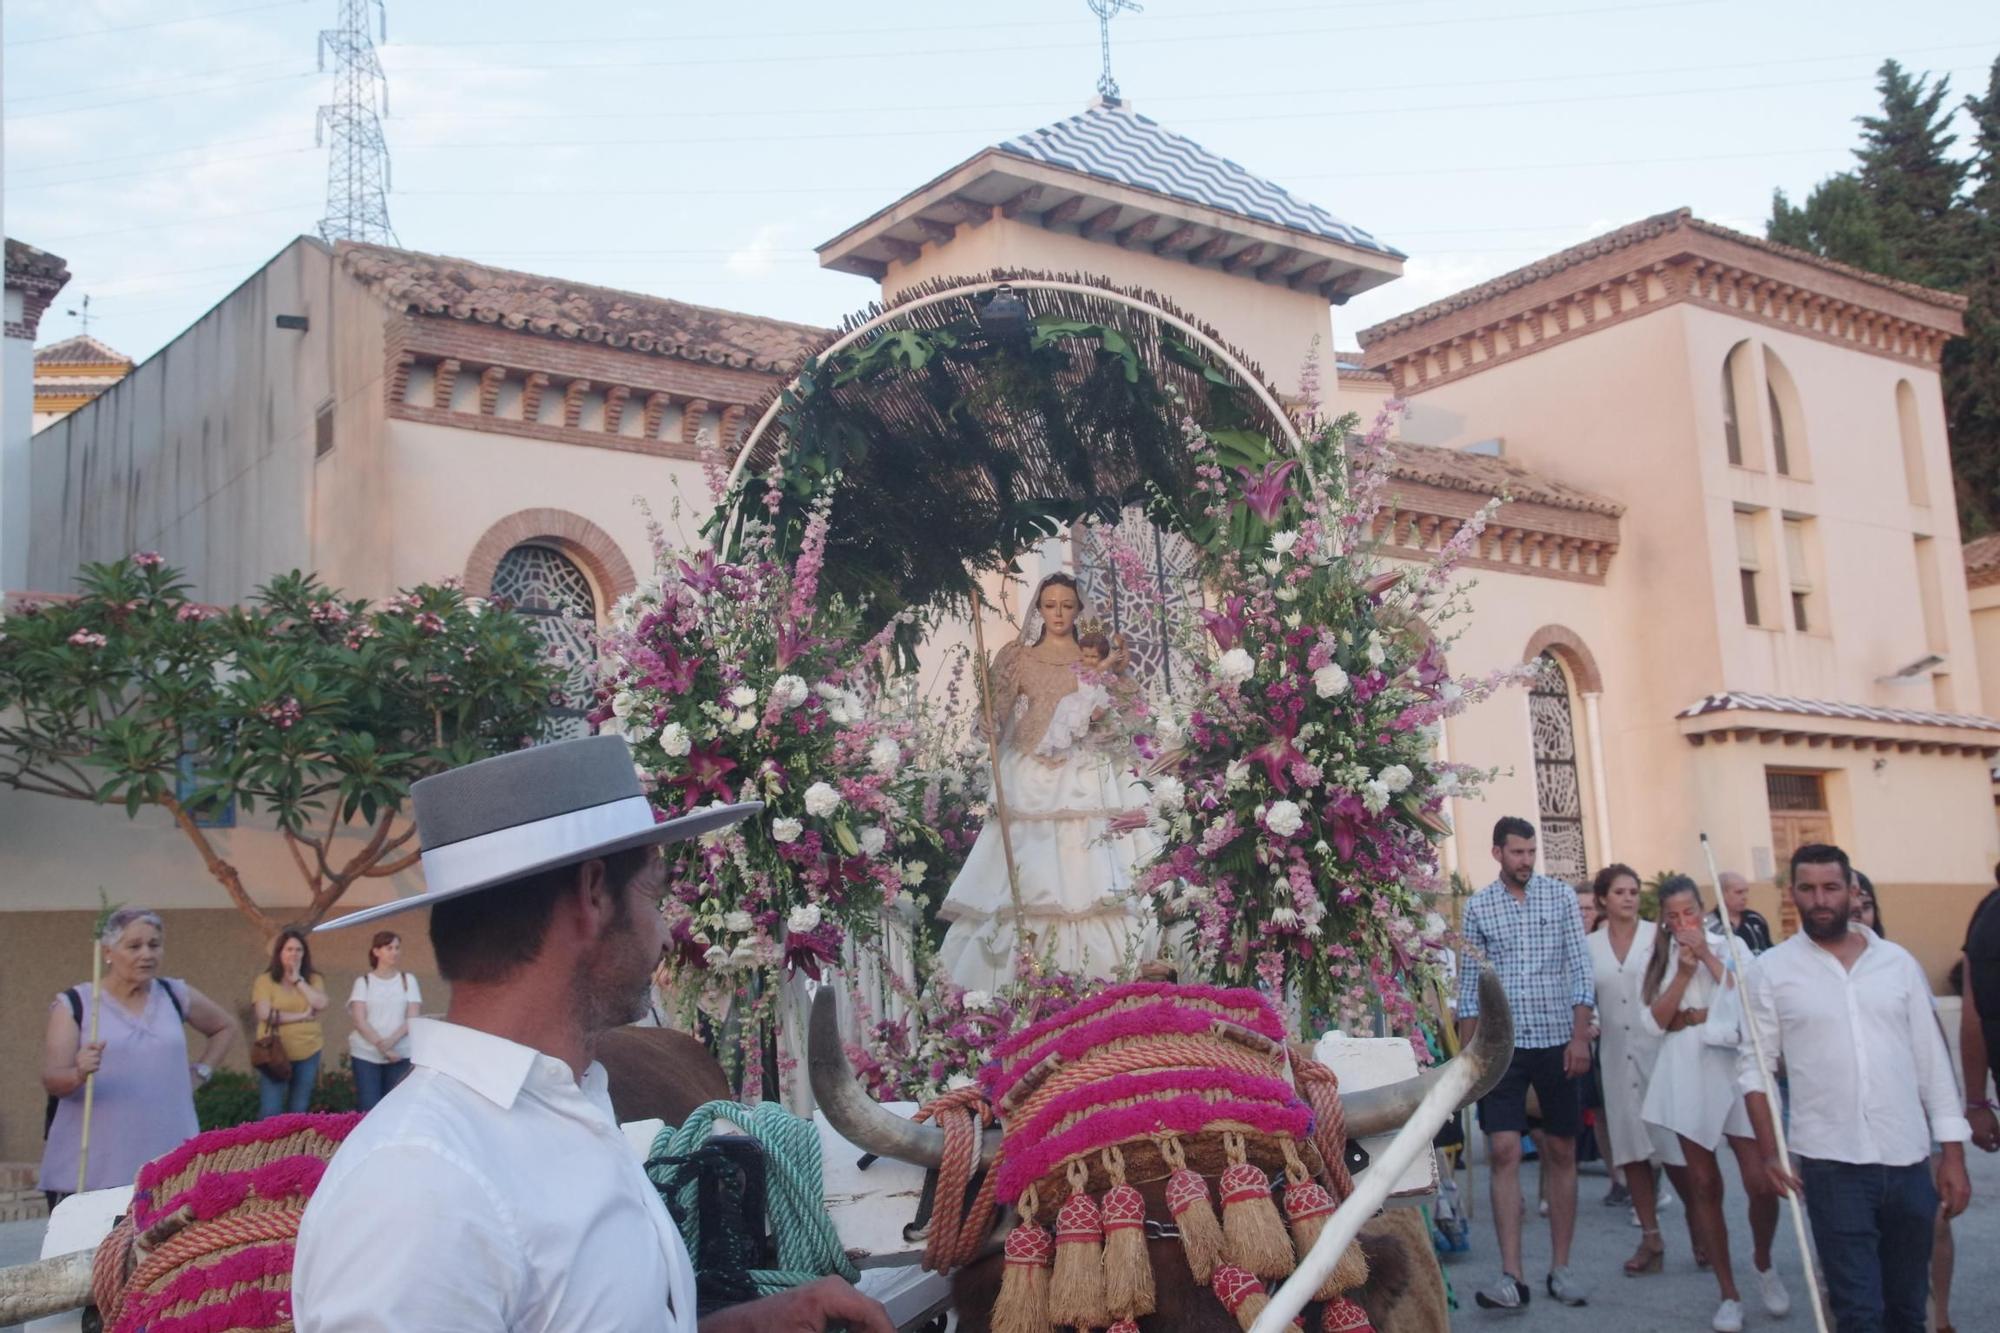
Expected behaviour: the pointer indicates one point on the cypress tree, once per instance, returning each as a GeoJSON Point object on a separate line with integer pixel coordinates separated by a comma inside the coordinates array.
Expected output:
{"type": "Point", "coordinates": [1972, 363]}
{"type": "Point", "coordinates": [1914, 184]}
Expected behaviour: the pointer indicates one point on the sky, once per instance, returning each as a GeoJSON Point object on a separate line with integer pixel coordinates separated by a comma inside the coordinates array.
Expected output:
{"type": "Point", "coordinates": [165, 148]}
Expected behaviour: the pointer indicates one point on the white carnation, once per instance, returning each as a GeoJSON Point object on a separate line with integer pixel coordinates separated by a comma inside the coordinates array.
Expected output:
{"type": "Point", "coordinates": [821, 800]}
{"type": "Point", "coordinates": [742, 696]}
{"type": "Point", "coordinates": [786, 830]}
{"type": "Point", "coordinates": [788, 693]}
{"type": "Point", "coordinates": [873, 840]}
{"type": "Point", "coordinates": [803, 919]}
{"type": "Point", "coordinates": [745, 720]}
{"type": "Point", "coordinates": [1374, 797]}
{"type": "Point", "coordinates": [884, 755]}
{"type": "Point", "coordinates": [1235, 666]}
{"type": "Point", "coordinates": [1169, 793]}
{"type": "Point", "coordinates": [1284, 818]}
{"type": "Point", "coordinates": [912, 873]}
{"type": "Point", "coordinates": [622, 704]}
{"type": "Point", "coordinates": [1394, 778]}
{"type": "Point", "coordinates": [1283, 542]}
{"type": "Point", "coordinates": [674, 739]}
{"type": "Point", "coordinates": [976, 999]}
{"type": "Point", "coordinates": [739, 922]}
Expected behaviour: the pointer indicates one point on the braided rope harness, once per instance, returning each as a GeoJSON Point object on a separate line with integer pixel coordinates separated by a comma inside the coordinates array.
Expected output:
{"type": "Point", "coordinates": [1150, 1082]}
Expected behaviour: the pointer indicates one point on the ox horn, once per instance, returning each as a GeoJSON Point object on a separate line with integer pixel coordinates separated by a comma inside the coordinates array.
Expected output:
{"type": "Point", "coordinates": [1374, 1111]}
{"type": "Point", "coordinates": [35, 1291]}
{"type": "Point", "coordinates": [859, 1118]}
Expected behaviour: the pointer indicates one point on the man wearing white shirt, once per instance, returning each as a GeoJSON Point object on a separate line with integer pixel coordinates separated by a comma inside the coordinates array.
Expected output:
{"type": "Point", "coordinates": [1871, 1088]}
{"type": "Point", "coordinates": [492, 1190]}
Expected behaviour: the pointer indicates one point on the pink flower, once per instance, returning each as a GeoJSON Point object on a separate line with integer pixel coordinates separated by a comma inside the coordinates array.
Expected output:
{"type": "Point", "coordinates": [192, 614]}
{"type": "Point", "coordinates": [149, 559]}
{"type": "Point", "coordinates": [84, 638]}
{"type": "Point", "coordinates": [1267, 489]}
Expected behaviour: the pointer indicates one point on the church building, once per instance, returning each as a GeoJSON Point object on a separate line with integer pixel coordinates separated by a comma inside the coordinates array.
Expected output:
{"type": "Point", "coordinates": [1726, 545]}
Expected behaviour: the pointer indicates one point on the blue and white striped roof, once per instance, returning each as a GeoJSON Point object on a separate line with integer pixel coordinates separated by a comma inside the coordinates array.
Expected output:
{"type": "Point", "coordinates": [1127, 148]}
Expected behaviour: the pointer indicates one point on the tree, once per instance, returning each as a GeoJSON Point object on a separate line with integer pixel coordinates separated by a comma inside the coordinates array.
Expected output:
{"type": "Point", "coordinates": [1904, 213]}
{"type": "Point", "coordinates": [320, 709]}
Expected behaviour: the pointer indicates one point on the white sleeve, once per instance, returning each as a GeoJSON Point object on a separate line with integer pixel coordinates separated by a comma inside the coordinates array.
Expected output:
{"type": "Point", "coordinates": [456, 1270]}
{"type": "Point", "coordinates": [1760, 1016]}
{"type": "Point", "coordinates": [359, 995]}
{"type": "Point", "coordinates": [1937, 1086]}
{"type": "Point", "coordinates": [416, 992]}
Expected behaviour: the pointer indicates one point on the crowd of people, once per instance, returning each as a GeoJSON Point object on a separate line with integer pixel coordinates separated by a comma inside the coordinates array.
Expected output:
{"type": "Point", "coordinates": [1646, 1019]}
{"type": "Point", "coordinates": [127, 1030]}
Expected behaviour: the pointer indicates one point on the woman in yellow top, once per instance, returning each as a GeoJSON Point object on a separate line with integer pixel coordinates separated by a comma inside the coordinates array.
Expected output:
{"type": "Point", "coordinates": [290, 995]}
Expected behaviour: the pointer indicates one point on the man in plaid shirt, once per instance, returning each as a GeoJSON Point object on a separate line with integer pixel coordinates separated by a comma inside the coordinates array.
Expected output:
{"type": "Point", "coordinates": [1526, 927]}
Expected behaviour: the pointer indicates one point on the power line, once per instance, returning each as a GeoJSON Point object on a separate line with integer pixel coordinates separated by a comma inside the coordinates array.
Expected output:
{"type": "Point", "coordinates": [160, 97]}
{"type": "Point", "coordinates": [143, 83]}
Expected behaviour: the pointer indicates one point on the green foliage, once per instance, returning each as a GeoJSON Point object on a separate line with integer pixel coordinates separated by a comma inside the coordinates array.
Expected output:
{"type": "Point", "coordinates": [229, 1098]}
{"type": "Point", "coordinates": [919, 433]}
{"type": "Point", "coordinates": [1905, 212]}
{"type": "Point", "coordinates": [314, 708]}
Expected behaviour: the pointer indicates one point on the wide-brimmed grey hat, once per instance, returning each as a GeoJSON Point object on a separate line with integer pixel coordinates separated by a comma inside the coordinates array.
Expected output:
{"type": "Point", "coordinates": [532, 810]}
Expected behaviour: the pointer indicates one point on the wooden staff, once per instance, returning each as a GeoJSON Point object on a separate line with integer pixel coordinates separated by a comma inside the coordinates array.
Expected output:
{"type": "Point", "coordinates": [1021, 941]}
{"type": "Point", "coordinates": [1770, 1085]}
{"type": "Point", "coordinates": [90, 1080]}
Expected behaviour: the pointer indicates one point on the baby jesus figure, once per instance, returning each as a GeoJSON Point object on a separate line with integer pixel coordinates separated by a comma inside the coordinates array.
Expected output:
{"type": "Point", "coordinates": [1078, 709]}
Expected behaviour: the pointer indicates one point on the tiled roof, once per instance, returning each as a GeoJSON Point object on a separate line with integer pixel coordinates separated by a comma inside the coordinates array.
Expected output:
{"type": "Point", "coordinates": [82, 350]}
{"type": "Point", "coordinates": [1982, 560]}
{"type": "Point", "coordinates": [24, 260]}
{"type": "Point", "coordinates": [558, 308]}
{"type": "Point", "coordinates": [1780, 703]}
{"type": "Point", "coordinates": [1127, 148]}
{"type": "Point", "coordinates": [1485, 475]}
{"type": "Point", "coordinates": [1623, 238]}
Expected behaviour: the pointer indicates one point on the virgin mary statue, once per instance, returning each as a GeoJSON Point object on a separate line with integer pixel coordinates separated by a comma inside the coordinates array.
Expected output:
{"type": "Point", "coordinates": [1062, 783]}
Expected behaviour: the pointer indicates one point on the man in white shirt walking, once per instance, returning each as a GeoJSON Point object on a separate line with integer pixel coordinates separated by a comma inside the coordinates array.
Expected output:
{"type": "Point", "coordinates": [1871, 1087]}
{"type": "Point", "coordinates": [492, 1190]}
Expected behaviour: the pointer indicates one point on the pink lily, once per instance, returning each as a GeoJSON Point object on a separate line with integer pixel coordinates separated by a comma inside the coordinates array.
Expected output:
{"type": "Point", "coordinates": [1267, 489]}
{"type": "Point", "coordinates": [1226, 625]}
{"type": "Point", "coordinates": [707, 767]}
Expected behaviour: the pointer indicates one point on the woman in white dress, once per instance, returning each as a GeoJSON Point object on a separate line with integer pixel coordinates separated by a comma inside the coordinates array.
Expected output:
{"type": "Point", "coordinates": [1062, 788]}
{"type": "Point", "coordinates": [1693, 1098]}
{"type": "Point", "coordinates": [1627, 1049]}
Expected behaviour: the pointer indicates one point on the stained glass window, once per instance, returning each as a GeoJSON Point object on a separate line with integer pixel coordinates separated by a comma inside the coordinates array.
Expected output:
{"type": "Point", "coordinates": [1171, 597]}
{"type": "Point", "coordinates": [1558, 788]}
{"type": "Point", "coordinates": [544, 585]}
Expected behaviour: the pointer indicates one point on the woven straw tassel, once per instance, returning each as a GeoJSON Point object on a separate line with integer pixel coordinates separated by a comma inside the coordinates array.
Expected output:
{"type": "Point", "coordinates": [1023, 1306]}
{"type": "Point", "coordinates": [1076, 1291]}
{"type": "Point", "coordinates": [1242, 1295]}
{"type": "Point", "coordinates": [1344, 1316]}
{"type": "Point", "coordinates": [1194, 1213]}
{"type": "Point", "coordinates": [1128, 1270]}
{"type": "Point", "coordinates": [1308, 1206]}
{"type": "Point", "coordinates": [1253, 1235]}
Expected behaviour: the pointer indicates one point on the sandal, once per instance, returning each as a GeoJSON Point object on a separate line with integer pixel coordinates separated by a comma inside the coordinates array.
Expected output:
{"type": "Point", "coordinates": [1650, 1257]}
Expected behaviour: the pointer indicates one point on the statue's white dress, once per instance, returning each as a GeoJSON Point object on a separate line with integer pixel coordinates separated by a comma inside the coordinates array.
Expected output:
{"type": "Point", "coordinates": [1075, 882]}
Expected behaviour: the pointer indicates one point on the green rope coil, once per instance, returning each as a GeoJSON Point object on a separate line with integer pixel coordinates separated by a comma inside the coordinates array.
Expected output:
{"type": "Point", "coordinates": [808, 1246]}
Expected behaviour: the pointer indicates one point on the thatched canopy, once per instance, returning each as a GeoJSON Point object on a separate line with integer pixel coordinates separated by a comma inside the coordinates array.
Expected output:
{"type": "Point", "coordinates": [960, 437]}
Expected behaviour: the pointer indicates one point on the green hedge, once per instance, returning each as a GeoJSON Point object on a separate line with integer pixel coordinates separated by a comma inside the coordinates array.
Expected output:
{"type": "Point", "coordinates": [230, 1098]}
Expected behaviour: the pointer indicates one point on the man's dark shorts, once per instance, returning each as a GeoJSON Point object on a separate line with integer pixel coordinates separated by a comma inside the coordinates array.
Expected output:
{"type": "Point", "coordinates": [1505, 1109]}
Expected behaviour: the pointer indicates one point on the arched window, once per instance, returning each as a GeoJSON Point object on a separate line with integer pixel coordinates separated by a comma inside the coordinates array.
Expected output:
{"type": "Point", "coordinates": [1913, 443]}
{"type": "Point", "coordinates": [1733, 369]}
{"type": "Point", "coordinates": [1558, 786]}
{"type": "Point", "coordinates": [546, 586]}
{"type": "Point", "coordinates": [1171, 595]}
{"type": "Point", "coordinates": [1788, 435]}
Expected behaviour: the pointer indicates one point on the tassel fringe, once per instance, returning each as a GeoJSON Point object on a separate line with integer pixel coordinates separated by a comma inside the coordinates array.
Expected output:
{"type": "Point", "coordinates": [1309, 1206]}
{"type": "Point", "coordinates": [1023, 1305]}
{"type": "Point", "coordinates": [1076, 1291]}
{"type": "Point", "coordinates": [1194, 1213]}
{"type": "Point", "coordinates": [1344, 1316]}
{"type": "Point", "coordinates": [1253, 1235]}
{"type": "Point", "coordinates": [1242, 1295]}
{"type": "Point", "coordinates": [1128, 1270]}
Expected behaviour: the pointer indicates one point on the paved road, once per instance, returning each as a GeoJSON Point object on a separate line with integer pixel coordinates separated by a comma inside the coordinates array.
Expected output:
{"type": "Point", "coordinates": [1682, 1297]}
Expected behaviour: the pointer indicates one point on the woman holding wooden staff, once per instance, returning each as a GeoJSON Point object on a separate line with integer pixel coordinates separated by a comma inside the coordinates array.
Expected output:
{"type": "Point", "coordinates": [135, 1073]}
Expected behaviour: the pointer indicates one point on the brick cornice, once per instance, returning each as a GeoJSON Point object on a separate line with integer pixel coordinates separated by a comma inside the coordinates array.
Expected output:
{"type": "Point", "coordinates": [1653, 266]}
{"type": "Point", "coordinates": [1528, 538]}
{"type": "Point", "coordinates": [572, 534]}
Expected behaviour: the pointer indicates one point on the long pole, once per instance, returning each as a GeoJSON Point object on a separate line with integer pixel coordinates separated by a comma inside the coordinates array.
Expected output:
{"type": "Point", "coordinates": [1735, 948]}
{"type": "Point", "coordinates": [90, 1080]}
{"type": "Point", "coordinates": [1022, 944]}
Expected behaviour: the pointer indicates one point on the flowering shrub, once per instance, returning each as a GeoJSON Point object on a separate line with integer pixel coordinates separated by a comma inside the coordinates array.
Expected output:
{"type": "Point", "coordinates": [317, 708]}
{"type": "Point", "coordinates": [1300, 798]}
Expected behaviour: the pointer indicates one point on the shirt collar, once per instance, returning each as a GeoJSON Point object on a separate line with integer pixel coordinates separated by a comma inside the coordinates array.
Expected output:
{"type": "Point", "coordinates": [496, 1068]}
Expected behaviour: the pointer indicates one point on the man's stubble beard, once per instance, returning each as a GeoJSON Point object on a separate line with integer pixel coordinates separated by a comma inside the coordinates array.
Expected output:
{"type": "Point", "coordinates": [1822, 934]}
{"type": "Point", "coordinates": [605, 995]}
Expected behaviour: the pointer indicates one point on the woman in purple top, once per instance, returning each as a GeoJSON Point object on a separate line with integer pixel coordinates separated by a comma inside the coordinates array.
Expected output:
{"type": "Point", "coordinates": [144, 1103]}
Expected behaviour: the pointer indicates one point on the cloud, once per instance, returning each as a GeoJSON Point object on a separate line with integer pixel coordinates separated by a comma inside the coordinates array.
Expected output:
{"type": "Point", "coordinates": [759, 257]}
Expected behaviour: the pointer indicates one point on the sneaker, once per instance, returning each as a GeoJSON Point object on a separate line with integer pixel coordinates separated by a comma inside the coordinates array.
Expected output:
{"type": "Point", "coordinates": [1509, 1293]}
{"type": "Point", "coordinates": [1777, 1301]}
{"type": "Point", "coordinates": [1564, 1288]}
{"type": "Point", "coordinates": [1728, 1317]}
{"type": "Point", "coordinates": [1542, 1208]}
{"type": "Point", "coordinates": [1619, 1196]}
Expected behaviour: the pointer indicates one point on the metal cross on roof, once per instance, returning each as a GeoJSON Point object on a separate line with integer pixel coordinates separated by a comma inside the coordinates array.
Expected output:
{"type": "Point", "coordinates": [1106, 10]}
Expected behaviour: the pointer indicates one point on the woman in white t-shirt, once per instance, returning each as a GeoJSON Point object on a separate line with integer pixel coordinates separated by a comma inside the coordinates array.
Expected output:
{"type": "Point", "coordinates": [382, 1005]}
